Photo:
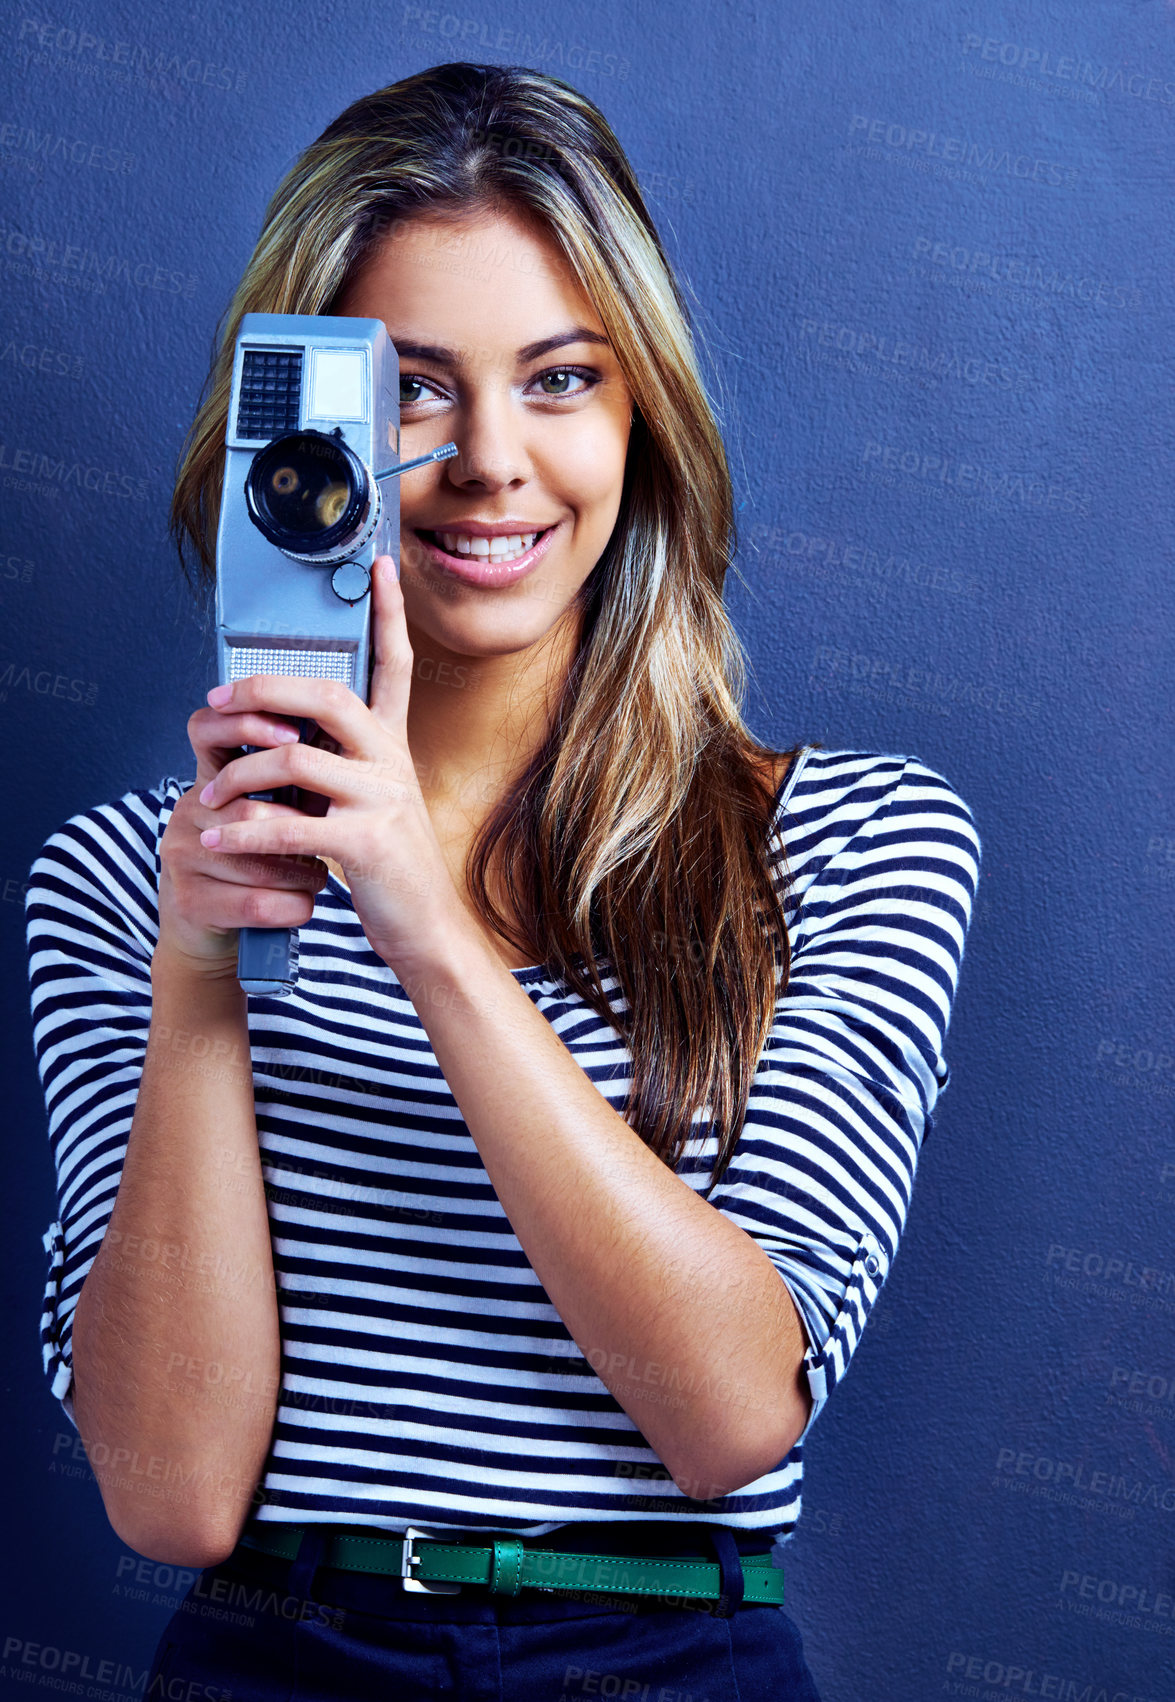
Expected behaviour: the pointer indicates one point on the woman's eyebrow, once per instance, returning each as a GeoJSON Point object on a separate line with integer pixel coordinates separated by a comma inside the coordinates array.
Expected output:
{"type": "Point", "coordinates": [449, 357]}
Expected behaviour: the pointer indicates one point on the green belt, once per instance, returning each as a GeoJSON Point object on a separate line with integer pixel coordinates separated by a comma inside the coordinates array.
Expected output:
{"type": "Point", "coordinates": [508, 1565]}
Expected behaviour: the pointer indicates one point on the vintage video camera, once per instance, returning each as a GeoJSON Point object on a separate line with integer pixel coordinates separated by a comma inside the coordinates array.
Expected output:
{"type": "Point", "coordinates": [314, 409]}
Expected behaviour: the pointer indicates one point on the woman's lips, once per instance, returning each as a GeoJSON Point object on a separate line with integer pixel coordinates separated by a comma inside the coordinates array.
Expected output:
{"type": "Point", "coordinates": [483, 570]}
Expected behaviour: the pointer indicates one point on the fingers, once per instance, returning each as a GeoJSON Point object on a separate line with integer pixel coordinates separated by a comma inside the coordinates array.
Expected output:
{"type": "Point", "coordinates": [342, 780]}
{"type": "Point", "coordinates": [203, 894]}
{"type": "Point", "coordinates": [391, 675]}
{"type": "Point", "coordinates": [338, 710]}
{"type": "Point", "coordinates": [292, 873]}
{"type": "Point", "coordinates": [216, 739]}
{"type": "Point", "coordinates": [254, 907]}
{"type": "Point", "coordinates": [296, 835]}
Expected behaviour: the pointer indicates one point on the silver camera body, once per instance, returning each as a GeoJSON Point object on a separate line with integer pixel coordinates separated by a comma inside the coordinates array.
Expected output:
{"type": "Point", "coordinates": [314, 414]}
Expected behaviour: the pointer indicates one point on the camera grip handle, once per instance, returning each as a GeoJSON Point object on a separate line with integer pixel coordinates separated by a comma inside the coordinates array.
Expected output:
{"type": "Point", "coordinates": [267, 958]}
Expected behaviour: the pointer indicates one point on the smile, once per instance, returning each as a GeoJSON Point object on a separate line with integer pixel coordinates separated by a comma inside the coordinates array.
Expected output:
{"type": "Point", "coordinates": [486, 561]}
{"type": "Point", "coordinates": [508, 548]}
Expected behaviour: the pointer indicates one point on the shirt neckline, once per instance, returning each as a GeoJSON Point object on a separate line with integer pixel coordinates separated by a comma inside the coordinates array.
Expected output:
{"type": "Point", "coordinates": [541, 971]}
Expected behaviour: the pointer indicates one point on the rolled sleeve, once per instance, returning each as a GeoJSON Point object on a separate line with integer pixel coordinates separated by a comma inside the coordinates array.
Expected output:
{"type": "Point", "coordinates": [843, 1096]}
{"type": "Point", "coordinates": [830, 1348]}
{"type": "Point", "coordinates": [58, 1367]}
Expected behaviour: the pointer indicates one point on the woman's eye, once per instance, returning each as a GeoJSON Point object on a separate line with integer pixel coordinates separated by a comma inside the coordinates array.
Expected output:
{"type": "Point", "coordinates": [409, 383]}
{"type": "Point", "coordinates": [560, 375]}
{"type": "Point", "coordinates": [556, 381]}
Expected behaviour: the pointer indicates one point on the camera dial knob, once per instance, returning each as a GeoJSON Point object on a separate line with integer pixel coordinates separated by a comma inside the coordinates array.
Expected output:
{"type": "Point", "coordinates": [351, 581]}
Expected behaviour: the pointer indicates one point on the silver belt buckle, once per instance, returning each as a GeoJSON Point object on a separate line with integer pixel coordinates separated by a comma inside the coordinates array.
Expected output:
{"type": "Point", "coordinates": [408, 1560]}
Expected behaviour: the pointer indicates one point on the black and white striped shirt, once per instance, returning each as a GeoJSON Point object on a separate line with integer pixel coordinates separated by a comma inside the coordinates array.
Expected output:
{"type": "Point", "coordinates": [427, 1379]}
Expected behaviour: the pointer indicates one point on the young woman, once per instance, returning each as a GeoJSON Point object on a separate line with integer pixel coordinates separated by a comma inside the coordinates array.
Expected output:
{"type": "Point", "coordinates": [545, 1214]}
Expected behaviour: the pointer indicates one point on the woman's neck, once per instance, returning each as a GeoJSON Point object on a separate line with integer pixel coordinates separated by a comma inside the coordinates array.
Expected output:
{"type": "Point", "coordinates": [475, 722]}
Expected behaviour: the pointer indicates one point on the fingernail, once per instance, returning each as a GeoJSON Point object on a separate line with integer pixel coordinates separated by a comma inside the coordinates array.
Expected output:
{"type": "Point", "coordinates": [206, 794]}
{"type": "Point", "coordinates": [286, 734]}
{"type": "Point", "coordinates": [219, 695]}
{"type": "Point", "coordinates": [210, 836]}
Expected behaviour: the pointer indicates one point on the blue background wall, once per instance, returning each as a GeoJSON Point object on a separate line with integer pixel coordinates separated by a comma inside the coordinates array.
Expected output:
{"type": "Point", "coordinates": [930, 251]}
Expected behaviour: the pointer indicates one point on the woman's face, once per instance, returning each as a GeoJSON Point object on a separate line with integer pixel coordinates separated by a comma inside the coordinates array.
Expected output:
{"type": "Point", "coordinates": [499, 353]}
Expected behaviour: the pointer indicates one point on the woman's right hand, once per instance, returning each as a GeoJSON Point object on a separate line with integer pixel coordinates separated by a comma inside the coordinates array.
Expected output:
{"type": "Point", "coordinates": [206, 897]}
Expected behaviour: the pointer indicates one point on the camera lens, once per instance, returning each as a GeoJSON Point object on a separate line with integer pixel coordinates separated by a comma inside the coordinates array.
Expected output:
{"type": "Point", "coordinates": [310, 494]}
{"type": "Point", "coordinates": [331, 503]}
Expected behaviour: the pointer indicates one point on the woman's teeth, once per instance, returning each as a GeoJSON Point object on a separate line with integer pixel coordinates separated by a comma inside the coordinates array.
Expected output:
{"type": "Point", "coordinates": [492, 549]}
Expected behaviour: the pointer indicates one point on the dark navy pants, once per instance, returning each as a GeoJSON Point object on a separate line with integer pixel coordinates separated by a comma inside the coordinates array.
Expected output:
{"type": "Point", "coordinates": [260, 1629]}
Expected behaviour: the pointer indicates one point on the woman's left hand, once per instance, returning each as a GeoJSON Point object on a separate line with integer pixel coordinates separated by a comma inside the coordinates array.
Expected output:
{"type": "Point", "coordinates": [377, 825]}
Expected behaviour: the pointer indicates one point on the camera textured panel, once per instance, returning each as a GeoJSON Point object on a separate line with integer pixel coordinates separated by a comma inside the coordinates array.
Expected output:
{"type": "Point", "coordinates": [305, 663]}
{"type": "Point", "coordinates": [271, 392]}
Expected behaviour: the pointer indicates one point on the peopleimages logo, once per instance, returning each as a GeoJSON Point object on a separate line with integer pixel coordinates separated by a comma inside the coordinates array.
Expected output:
{"type": "Point", "coordinates": [980, 266]}
{"type": "Point", "coordinates": [1044, 62]}
{"type": "Point", "coordinates": [22, 1659]}
{"type": "Point", "coordinates": [46, 684]}
{"type": "Point", "coordinates": [16, 464]}
{"type": "Point", "coordinates": [967, 479]}
{"type": "Point", "coordinates": [1128, 1383]}
{"type": "Point", "coordinates": [1111, 1267]}
{"type": "Point", "coordinates": [125, 57]}
{"type": "Point", "coordinates": [968, 1672]}
{"type": "Point", "coordinates": [958, 151]}
{"type": "Point", "coordinates": [74, 263]}
{"type": "Point", "coordinates": [1136, 1597]}
{"type": "Point", "coordinates": [912, 358]}
{"type": "Point", "coordinates": [1025, 1463]}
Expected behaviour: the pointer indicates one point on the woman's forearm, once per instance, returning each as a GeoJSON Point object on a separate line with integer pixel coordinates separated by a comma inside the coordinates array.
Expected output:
{"type": "Point", "coordinates": [678, 1311]}
{"type": "Point", "coordinates": [175, 1339]}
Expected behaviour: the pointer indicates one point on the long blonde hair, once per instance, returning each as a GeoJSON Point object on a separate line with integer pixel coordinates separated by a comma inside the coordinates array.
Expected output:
{"type": "Point", "coordinates": [635, 842]}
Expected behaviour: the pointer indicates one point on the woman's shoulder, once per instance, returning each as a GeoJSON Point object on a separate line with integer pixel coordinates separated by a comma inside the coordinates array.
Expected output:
{"type": "Point", "coordinates": [847, 790]}
{"type": "Point", "coordinates": [138, 812]}
{"type": "Point", "coordinates": [878, 810]}
{"type": "Point", "coordinates": [108, 851]}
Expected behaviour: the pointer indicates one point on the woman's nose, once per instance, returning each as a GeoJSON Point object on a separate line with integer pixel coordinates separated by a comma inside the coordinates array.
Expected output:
{"type": "Point", "coordinates": [491, 446]}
